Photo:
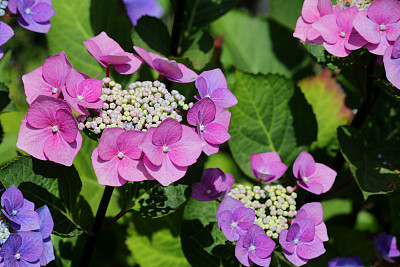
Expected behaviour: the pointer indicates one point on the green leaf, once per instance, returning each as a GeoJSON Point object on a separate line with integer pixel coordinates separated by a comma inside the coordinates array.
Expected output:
{"type": "Point", "coordinates": [151, 34]}
{"type": "Point", "coordinates": [272, 115]}
{"type": "Point", "coordinates": [327, 100]}
{"type": "Point", "coordinates": [10, 123]}
{"type": "Point", "coordinates": [366, 221]}
{"type": "Point", "coordinates": [372, 164]}
{"type": "Point", "coordinates": [156, 242]}
{"type": "Point", "coordinates": [69, 28]}
{"type": "Point", "coordinates": [199, 49]}
{"type": "Point", "coordinates": [286, 12]}
{"type": "Point", "coordinates": [45, 182]}
{"type": "Point", "coordinates": [336, 207]}
{"type": "Point", "coordinates": [256, 45]}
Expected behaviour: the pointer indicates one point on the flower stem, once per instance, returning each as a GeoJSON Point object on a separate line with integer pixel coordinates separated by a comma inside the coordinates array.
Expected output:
{"type": "Point", "coordinates": [96, 228]}
{"type": "Point", "coordinates": [11, 15]}
{"type": "Point", "coordinates": [108, 71]}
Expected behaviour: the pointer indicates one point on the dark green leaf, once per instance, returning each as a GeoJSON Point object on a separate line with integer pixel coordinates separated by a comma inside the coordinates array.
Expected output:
{"type": "Point", "coordinates": [199, 49]}
{"type": "Point", "coordinates": [272, 115]}
{"type": "Point", "coordinates": [286, 12]}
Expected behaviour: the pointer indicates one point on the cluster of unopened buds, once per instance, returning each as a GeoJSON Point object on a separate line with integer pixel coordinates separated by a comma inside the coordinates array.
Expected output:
{"type": "Point", "coordinates": [254, 216]}
{"type": "Point", "coordinates": [353, 24]}
{"type": "Point", "coordinates": [25, 233]}
{"type": "Point", "coordinates": [140, 128]}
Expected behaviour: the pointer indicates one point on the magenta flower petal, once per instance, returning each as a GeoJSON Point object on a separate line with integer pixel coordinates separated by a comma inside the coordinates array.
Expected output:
{"type": "Point", "coordinates": [138, 8]}
{"type": "Point", "coordinates": [56, 69]}
{"type": "Point", "coordinates": [223, 117]}
{"type": "Point", "coordinates": [302, 27]}
{"type": "Point", "coordinates": [215, 133]}
{"type": "Point", "coordinates": [393, 31]}
{"type": "Point", "coordinates": [380, 48]}
{"type": "Point", "coordinates": [67, 125]}
{"type": "Point", "coordinates": [186, 151]}
{"type": "Point", "coordinates": [31, 140]}
{"type": "Point", "coordinates": [328, 28]}
{"type": "Point", "coordinates": [106, 170]}
{"type": "Point", "coordinates": [223, 98]}
{"type": "Point", "coordinates": [42, 12]}
{"type": "Point", "coordinates": [323, 175]}
{"type": "Point", "coordinates": [6, 32]}
{"type": "Point", "coordinates": [312, 210]}
{"type": "Point", "coordinates": [128, 67]}
{"type": "Point", "coordinates": [168, 67]}
{"type": "Point", "coordinates": [128, 143]}
{"type": "Point", "coordinates": [392, 64]}
{"type": "Point", "coordinates": [203, 112]}
{"type": "Point", "coordinates": [304, 165]}
{"type": "Point", "coordinates": [228, 203]}
{"type": "Point", "coordinates": [314, 188]}
{"type": "Point", "coordinates": [367, 28]}
{"type": "Point", "coordinates": [90, 89]}
{"type": "Point", "coordinates": [321, 232]}
{"type": "Point", "coordinates": [168, 132]}
{"type": "Point", "coordinates": [310, 11]}
{"type": "Point", "coordinates": [166, 173]}
{"type": "Point", "coordinates": [73, 81]}
{"type": "Point", "coordinates": [115, 59]}
{"type": "Point", "coordinates": [108, 148]}
{"type": "Point", "coordinates": [133, 170]}
{"type": "Point", "coordinates": [346, 261]}
{"type": "Point", "coordinates": [30, 14]}
{"type": "Point", "coordinates": [146, 56]}
{"type": "Point", "coordinates": [384, 11]}
{"type": "Point", "coordinates": [154, 153]}
{"type": "Point", "coordinates": [60, 151]}
{"type": "Point", "coordinates": [213, 184]}
{"type": "Point", "coordinates": [310, 250]}
{"type": "Point", "coordinates": [35, 85]}
{"type": "Point", "coordinates": [267, 166]}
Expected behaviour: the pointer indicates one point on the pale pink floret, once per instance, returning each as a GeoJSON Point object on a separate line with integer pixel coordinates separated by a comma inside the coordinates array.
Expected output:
{"type": "Point", "coordinates": [82, 92]}
{"type": "Point", "coordinates": [314, 211]}
{"type": "Point", "coordinates": [338, 32]}
{"type": "Point", "coordinates": [48, 79]}
{"type": "Point", "coordinates": [108, 52]}
{"type": "Point", "coordinates": [173, 71]}
{"type": "Point", "coordinates": [311, 12]}
{"type": "Point", "coordinates": [49, 131]}
{"type": "Point", "coordinates": [391, 61]}
{"type": "Point", "coordinates": [118, 158]}
{"type": "Point", "coordinates": [267, 167]}
{"type": "Point", "coordinates": [313, 177]}
{"type": "Point", "coordinates": [169, 149]}
{"type": "Point", "coordinates": [379, 25]}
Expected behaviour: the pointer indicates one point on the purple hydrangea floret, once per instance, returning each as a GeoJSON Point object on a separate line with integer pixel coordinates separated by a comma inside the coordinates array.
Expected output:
{"type": "Point", "coordinates": [19, 210]}
{"type": "Point", "coordinates": [22, 249]}
{"type": "Point", "coordinates": [214, 184]}
{"type": "Point", "coordinates": [254, 247]}
{"type": "Point", "coordinates": [386, 247]}
{"type": "Point", "coordinates": [267, 167]}
{"type": "Point", "coordinates": [138, 8]}
{"type": "Point", "coordinates": [6, 32]}
{"type": "Point", "coordinates": [391, 61]}
{"type": "Point", "coordinates": [314, 211]}
{"type": "Point", "coordinates": [35, 14]}
{"type": "Point", "coordinates": [235, 223]}
{"type": "Point", "coordinates": [346, 262]}
{"type": "Point", "coordinates": [46, 227]}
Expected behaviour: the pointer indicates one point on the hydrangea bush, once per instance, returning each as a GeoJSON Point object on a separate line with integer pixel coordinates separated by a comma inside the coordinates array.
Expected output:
{"type": "Point", "coordinates": [199, 133]}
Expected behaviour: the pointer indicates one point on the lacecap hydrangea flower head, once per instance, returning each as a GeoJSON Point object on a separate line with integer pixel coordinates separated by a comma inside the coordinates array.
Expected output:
{"type": "Point", "coordinates": [256, 217]}
{"type": "Point", "coordinates": [142, 128]}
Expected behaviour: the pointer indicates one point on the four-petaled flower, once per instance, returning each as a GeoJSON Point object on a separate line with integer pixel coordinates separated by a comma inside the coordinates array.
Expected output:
{"type": "Point", "coordinates": [267, 167]}
{"type": "Point", "coordinates": [49, 131]}
{"type": "Point", "coordinates": [108, 52]}
{"type": "Point", "coordinates": [173, 71]}
{"type": "Point", "coordinates": [314, 177]}
{"type": "Point", "coordinates": [314, 211]}
{"type": "Point", "coordinates": [214, 183]}
{"type": "Point", "coordinates": [6, 32]}
{"type": "Point", "coordinates": [118, 158]}
{"type": "Point", "coordinates": [22, 249]}
{"type": "Point", "coordinates": [254, 247]}
{"type": "Point", "coordinates": [169, 149]}
{"type": "Point", "coordinates": [212, 124]}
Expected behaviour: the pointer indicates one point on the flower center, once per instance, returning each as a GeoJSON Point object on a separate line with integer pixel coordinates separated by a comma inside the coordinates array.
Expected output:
{"type": "Point", "coordinates": [382, 27]}
{"type": "Point", "coordinates": [79, 97]}
{"type": "Point", "coordinates": [54, 90]}
{"type": "Point", "coordinates": [342, 34]}
{"type": "Point", "coordinates": [120, 155]}
{"type": "Point", "coordinates": [296, 241]}
{"type": "Point", "coordinates": [234, 224]}
{"type": "Point", "coordinates": [201, 128]}
{"type": "Point", "coordinates": [252, 248]}
{"type": "Point", "coordinates": [208, 191]}
{"type": "Point", "coordinates": [28, 11]}
{"type": "Point", "coordinates": [305, 179]}
{"type": "Point", "coordinates": [14, 212]}
{"type": "Point", "coordinates": [17, 256]}
{"type": "Point", "coordinates": [55, 128]}
{"type": "Point", "coordinates": [165, 149]}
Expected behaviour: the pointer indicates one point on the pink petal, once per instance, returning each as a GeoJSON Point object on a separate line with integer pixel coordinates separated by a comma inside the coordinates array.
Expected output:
{"type": "Point", "coordinates": [129, 67]}
{"type": "Point", "coordinates": [73, 81]}
{"type": "Point", "coordinates": [41, 112]}
{"type": "Point", "coordinates": [108, 148]}
{"type": "Point", "coordinates": [216, 134]}
{"type": "Point", "coordinates": [169, 68]}
{"type": "Point", "coordinates": [312, 210]}
{"type": "Point", "coordinates": [42, 12]}
{"type": "Point", "coordinates": [223, 98]}
{"type": "Point", "coordinates": [210, 149]}
{"type": "Point", "coordinates": [6, 32]}
{"type": "Point", "coordinates": [67, 125]}
{"type": "Point", "coordinates": [102, 45]}
{"type": "Point", "coordinates": [310, 11]}
{"type": "Point", "coordinates": [31, 140]}
{"type": "Point", "coordinates": [154, 153]}
{"type": "Point", "coordinates": [384, 11]}
{"type": "Point", "coordinates": [355, 41]}
{"type": "Point", "coordinates": [324, 7]}
{"type": "Point", "coordinates": [338, 49]}
{"type": "Point", "coordinates": [203, 111]}
{"type": "Point", "coordinates": [302, 27]}
{"type": "Point", "coordinates": [321, 231]}
{"type": "Point", "coordinates": [186, 151]}
{"type": "Point", "coordinates": [56, 69]}
{"type": "Point", "coordinates": [91, 105]}
{"type": "Point", "coordinates": [106, 171]}
{"type": "Point", "coordinates": [304, 165]}
{"type": "Point", "coordinates": [393, 31]}
{"type": "Point", "coordinates": [128, 143]}
{"type": "Point", "coordinates": [168, 132]}
{"type": "Point", "coordinates": [58, 150]}
{"type": "Point", "coordinates": [328, 28]}
{"type": "Point", "coordinates": [242, 253]}
{"type": "Point", "coordinates": [75, 104]}
{"type": "Point", "coordinates": [188, 75]}
{"type": "Point", "coordinates": [367, 28]}
{"type": "Point", "coordinates": [323, 175]}
{"type": "Point", "coordinates": [392, 67]}
{"type": "Point", "coordinates": [380, 48]}
{"type": "Point", "coordinates": [201, 86]}
{"type": "Point", "coordinates": [209, 81]}
{"type": "Point", "coordinates": [315, 188]}
{"type": "Point", "coordinates": [345, 19]}
{"type": "Point", "coordinates": [133, 170]}
{"type": "Point", "coordinates": [310, 250]}
{"type": "Point", "coordinates": [90, 89]}
{"type": "Point", "coordinates": [166, 173]}
{"type": "Point", "coordinates": [294, 258]}
{"type": "Point", "coordinates": [146, 56]}
{"type": "Point", "coordinates": [223, 117]}
{"type": "Point", "coordinates": [35, 85]}
{"type": "Point", "coordinates": [114, 59]}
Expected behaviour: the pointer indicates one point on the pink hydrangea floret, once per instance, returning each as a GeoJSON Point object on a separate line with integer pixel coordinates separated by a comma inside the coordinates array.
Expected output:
{"type": "Point", "coordinates": [267, 167]}
{"type": "Point", "coordinates": [214, 184]}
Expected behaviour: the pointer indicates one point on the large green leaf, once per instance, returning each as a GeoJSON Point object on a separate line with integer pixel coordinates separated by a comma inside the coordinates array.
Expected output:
{"type": "Point", "coordinates": [70, 27]}
{"type": "Point", "coordinates": [57, 186]}
{"type": "Point", "coordinates": [255, 44]}
{"type": "Point", "coordinates": [199, 49]}
{"type": "Point", "coordinates": [286, 12]}
{"type": "Point", "coordinates": [10, 123]}
{"type": "Point", "coordinates": [373, 164]}
{"type": "Point", "coordinates": [272, 115]}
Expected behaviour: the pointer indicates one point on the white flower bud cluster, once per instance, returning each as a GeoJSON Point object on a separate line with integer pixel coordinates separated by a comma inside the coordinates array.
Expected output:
{"type": "Point", "coordinates": [141, 106]}
{"type": "Point", "coordinates": [3, 6]}
{"type": "Point", "coordinates": [4, 232]}
{"type": "Point", "coordinates": [360, 4]}
{"type": "Point", "coordinates": [274, 205]}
